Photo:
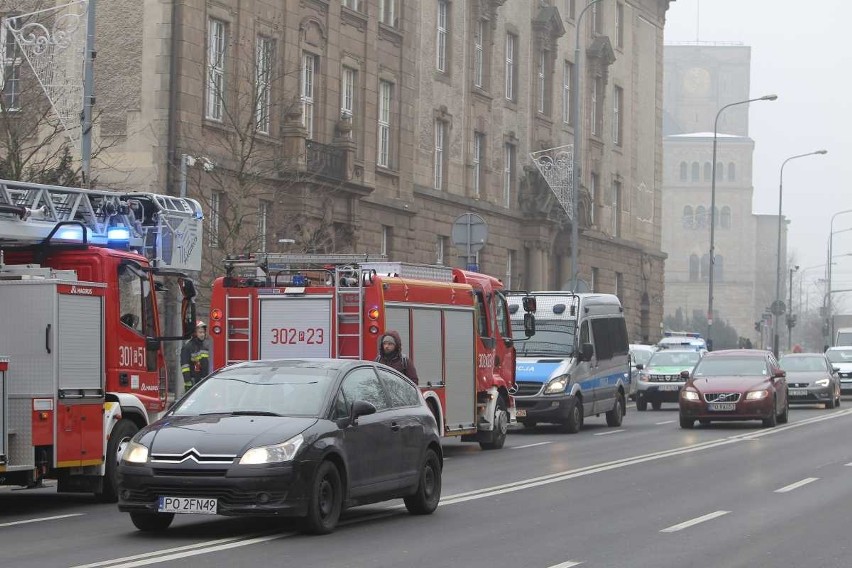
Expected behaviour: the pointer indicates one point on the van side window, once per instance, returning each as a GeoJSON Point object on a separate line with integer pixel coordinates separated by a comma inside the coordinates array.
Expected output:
{"type": "Point", "coordinates": [584, 334]}
{"type": "Point", "coordinates": [482, 316]}
{"type": "Point", "coordinates": [602, 329]}
{"type": "Point", "coordinates": [620, 344]}
{"type": "Point", "coordinates": [503, 323]}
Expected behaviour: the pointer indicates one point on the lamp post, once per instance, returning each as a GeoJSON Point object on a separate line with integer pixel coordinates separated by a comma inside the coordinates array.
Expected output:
{"type": "Point", "coordinates": [777, 305]}
{"type": "Point", "coordinates": [713, 214]}
{"type": "Point", "coordinates": [790, 307]}
{"type": "Point", "coordinates": [575, 121]}
{"type": "Point", "coordinates": [827, 304]}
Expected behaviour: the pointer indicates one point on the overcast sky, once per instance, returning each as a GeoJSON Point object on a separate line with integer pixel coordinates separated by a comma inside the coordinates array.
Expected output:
{"type": "Point", "coordinates": [799, 51]}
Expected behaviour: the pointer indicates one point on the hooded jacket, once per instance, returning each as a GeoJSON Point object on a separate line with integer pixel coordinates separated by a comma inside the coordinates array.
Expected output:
{"type": "Point", "coordinates": [396, 360]}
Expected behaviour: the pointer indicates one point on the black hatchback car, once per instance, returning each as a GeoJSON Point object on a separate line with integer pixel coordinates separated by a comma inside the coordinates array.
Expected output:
{"type": "Point", "coordinates": [300, 438]}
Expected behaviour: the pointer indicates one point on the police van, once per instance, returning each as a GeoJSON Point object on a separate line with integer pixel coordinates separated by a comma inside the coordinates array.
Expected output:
{"type": "Point", "coordinates": [577, 363]}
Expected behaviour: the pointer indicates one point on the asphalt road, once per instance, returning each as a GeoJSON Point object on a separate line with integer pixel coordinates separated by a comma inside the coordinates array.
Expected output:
{"type": "Point", "coordinates": [647, 494]}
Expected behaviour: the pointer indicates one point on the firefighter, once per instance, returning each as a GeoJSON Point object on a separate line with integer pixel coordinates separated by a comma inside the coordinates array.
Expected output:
{"type": "Point", "coordinates": [195, 356]}
{"type": "Point", "coordinates": [390, 354]}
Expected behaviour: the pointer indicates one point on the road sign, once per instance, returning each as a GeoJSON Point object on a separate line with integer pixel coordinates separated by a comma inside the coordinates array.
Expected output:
{"type": "Point", "coordinates": [778, 308]}
{"type": "Point", "coordinates": [470, 233]}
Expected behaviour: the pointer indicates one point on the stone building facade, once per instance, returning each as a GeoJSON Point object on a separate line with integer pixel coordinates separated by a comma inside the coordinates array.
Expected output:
{"type": "Point", "coordinates": [371, 125]}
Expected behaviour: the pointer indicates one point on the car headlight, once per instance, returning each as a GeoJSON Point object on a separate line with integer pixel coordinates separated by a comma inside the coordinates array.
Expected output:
{"type": "Point", "coordinates": [644, 377]}
{"type": "Point", "coordinates": [756, 395]}
{"type": "Point", "coordinates": [277, 453]}
{"type": "Point", "coordinates": [690, 395]}
{"type": "Point", "coordinates": [135, 453]}
{"type": "Point", "coordinates": [822, 382]}
{"type": "Point", "coordinates": [557, 385]}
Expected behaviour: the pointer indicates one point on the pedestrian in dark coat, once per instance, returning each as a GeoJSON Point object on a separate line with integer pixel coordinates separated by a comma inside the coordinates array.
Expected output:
{"type": "Point", "coordinates": [390, 354]}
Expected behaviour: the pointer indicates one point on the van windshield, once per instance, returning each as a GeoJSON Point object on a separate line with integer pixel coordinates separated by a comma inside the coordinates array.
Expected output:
{"type": "Point", "coordinates": [844, 338]}
{"type": "Point", "coordinates": [552, 338]}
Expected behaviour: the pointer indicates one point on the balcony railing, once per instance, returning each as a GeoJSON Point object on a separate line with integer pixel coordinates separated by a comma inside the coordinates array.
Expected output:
{"type": "Point", "coordinates": [326, 160]}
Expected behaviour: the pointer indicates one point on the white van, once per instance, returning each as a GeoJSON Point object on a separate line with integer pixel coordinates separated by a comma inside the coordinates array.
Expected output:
{"type": "Point", "coordinates": [843, 337]}
{"type": "Point", "coordinates": [577, 363]}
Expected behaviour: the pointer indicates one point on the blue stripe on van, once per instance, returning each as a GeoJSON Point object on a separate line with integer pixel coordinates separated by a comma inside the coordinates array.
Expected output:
{"type": "Point", "coordinates": [534, 372]}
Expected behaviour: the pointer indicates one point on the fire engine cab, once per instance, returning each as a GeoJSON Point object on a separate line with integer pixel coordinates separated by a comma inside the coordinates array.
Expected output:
{"type": "Point", "coordinates": [454, 327]}
{"type": "Point", "coordinates": [83, 366]}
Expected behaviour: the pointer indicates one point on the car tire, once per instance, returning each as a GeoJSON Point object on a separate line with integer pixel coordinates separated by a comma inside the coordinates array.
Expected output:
{"type": "Point", "coordinates": [575, 418]}
{"type": "Point", "coordinates": [784, 417]}
{"type": "Point", "coordinates": [616, 415]}
{"type": "Point", "coordinates": [830, 404]}
{"type": "Point", "coordinates": [120, 435]}
{"type": "Point", "coordinates": [152, 522]}
{"type": "Point", "coordinates": [529, 423]}
{"type": "Point", "coordinates": [641, 404]}
{"type": "Point", "coordinates": [326, 500]}
{"type": "Point", "coordinates": [704, 421]}
{"type": "Point", "coordinates": [686, 423]}
{"type": "Point", "coordinates": [501, 427]}
{"type": "Point", "coordinates": [656, 405]}
{"type": "Point", "coordinates": [425, 500]}
{"type": "Point", "coordinates": [772, 421]}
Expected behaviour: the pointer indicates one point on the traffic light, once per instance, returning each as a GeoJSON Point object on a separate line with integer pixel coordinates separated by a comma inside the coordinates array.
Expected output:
{"type": "Point", "coordinates": [757, 326]}
{"type": "Point", "coordinates": [791, 321]}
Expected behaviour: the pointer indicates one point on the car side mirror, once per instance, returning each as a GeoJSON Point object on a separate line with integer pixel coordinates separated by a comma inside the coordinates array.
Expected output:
{"type": "Point", "coordinates": [529, 323]}
{"type": "Point", "coordinates": [529, 303]}
{"type": "Point", "coordinates": [507, 341]}
{"type": "Point", "coordinates": [587, 351]}
{"type": "Point", "coordinates": [779, 374]}
{"type": "Point", "coordinates": [361, 408]}
{"type": "Point", "coordinates": [684, 375]}
{"type": "Point", "coordinates": [639, 366]}
{"type": "Point", "coordinates": [835, 369]}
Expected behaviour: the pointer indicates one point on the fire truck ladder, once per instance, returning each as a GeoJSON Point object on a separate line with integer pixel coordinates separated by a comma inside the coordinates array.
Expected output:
{"type": "Point", "coordinates": [349, 294]}
{"type": "Point", "coordinates": [165, 229]}
{"type": "Point", "coordinates": [237, 322]}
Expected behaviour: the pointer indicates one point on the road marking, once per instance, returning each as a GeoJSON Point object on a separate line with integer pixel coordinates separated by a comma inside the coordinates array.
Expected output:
{"type": "Point", "coordinates": [608, 433]}
{"type": "Point", "coordinates": [666, 422]}
{"type": "Point", "coordinates": [530, 445]}
{"type": "Point", "coordinates": [796, 485]}
{"type": "Point", "coordinates": [695, 521]}
{"type": "Point", "coordinates": [568, 564]}
{"type": "Point", "coordinates": [39, 520]}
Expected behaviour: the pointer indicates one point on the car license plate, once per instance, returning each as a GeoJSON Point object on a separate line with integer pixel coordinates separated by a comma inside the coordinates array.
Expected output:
{"type": "Point", "coordinates": [520, 412]}
{"type": "Point", "coordinates": [798, 392]}
{"type": "Point", "coordinates": [722, 406]}
{"type": "Point", "coordinates": [188, 505]}
{"type": "Point", "coordinates": [669, 387]}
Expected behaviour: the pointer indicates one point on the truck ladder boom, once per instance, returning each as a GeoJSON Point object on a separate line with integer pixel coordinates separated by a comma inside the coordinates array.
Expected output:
{"type": "Point", "coordinates": [165, 229]}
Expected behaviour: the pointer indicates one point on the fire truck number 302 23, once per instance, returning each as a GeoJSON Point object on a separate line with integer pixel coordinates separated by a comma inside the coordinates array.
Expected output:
{"type": "Point", "coordinates": [131, 356]}
{"type": "Point", "coordinates": [293, 336]}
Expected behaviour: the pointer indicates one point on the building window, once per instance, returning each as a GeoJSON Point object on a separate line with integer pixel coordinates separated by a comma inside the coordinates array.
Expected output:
{"type": "Point", "coordinates": [262, 224]}
{"type": "Point", "coordinates": [720, 171]}
{"type": "Point", "coordinates": [708, 171]}
{"type": "Point", "coordinates": [10, 80]}
{"type": "Point", "coordinates": [725, 218]}
{"type": "Point", "coordinates": [597, 105]}
{"type": "Point", "coordinates": [387, 236]}
{"type": "Point", "coordinates": [441, 250]}
{"type": "Point", "coordinates": [570, 8]}
{"type": "Point", "coordinates": [387, 12]}
{"type": "Point", "coordinates": [597, 19]}
{"type": "Point", "coordinates": [443, 34]}
{"type": "Point", "coordinates": [478, 149]}
{"type": "Point", "coordinates": [705, 267]}
{"type": "Point", "coordinates": [508, 175]}
{"type": "Point", "coordinates": [683, 171]}
{"type": "Point", "coordinates": [693, 268]}
{"type": "Point", "coordinates": [567, 78]}
{"type": "Point", "coordinates": [215, 212]}
{"type": "Point", "coordinates": [619, 286]}
{"type": "Point", "coordinates": [688, 217]}
{"type": "Point", "coordinates": [348, 84]}
{"type": "Point", "coordinates": [695, 171]}
{"type": "Point", "coordinates": [619, 24]}
{"type": "Point", "coordinates": [511, 62]}
{"type": "Point", "coordinates": [215, 69]}
{"type": "Point", "coordinates": [542, 82]}
{"type": "Point", "coordinates": [479, 54]}
{"type": "Point", "coordinates": [510, 269]}
{"type": "Point", "coordinates": [352, 4]}
{"type": "Point", "coordinates": [616, 208]}
{"type": "Point", "coordinates": [309, 69]}
{"type": "Point", "coordinates": [617, 115]}
{"type": "Point", "coordinates": [263, 80]}
{"type": "Point", "coordinates": [440, 140]}
{"type": "Point", "coordinates": [596, 198]}
{"type": "Point", "coordinates": [700, 217]}
{"type": "Point", "coordinates": [595, 280]}
{"type": "Point", "coordinates": [385, 94]}
{"type": "Point", "coordinates": [732, 172]}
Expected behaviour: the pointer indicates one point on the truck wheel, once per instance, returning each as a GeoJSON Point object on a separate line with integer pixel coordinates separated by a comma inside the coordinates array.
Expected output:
{"type": "Point", "coordinates": [657, 404]}
{"type": "Point", "coordinates": [152, 522]}
{"type": "Point", "coordinates": [501, 427]}
{"type": "Point", "coordinates": [326, 500]}
{"type": "Point", "coordinates": [118, 439]}
{"type": "Point", "coordinates": [686, 423]}
{"type": "Point", "coordinates": [425, 500]}
{"type": "Point", "coordinates": [615, 416]}
{"type": "Point", "coordinates": [641, 403]}
{"type": "Point", "coordinates": [575, 418]}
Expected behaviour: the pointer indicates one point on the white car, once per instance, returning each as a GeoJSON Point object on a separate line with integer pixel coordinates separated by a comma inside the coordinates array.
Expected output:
{"type": "Point", "coordinates": [841, 359]}
{"type": "Point", "coordinates": [639, 355]}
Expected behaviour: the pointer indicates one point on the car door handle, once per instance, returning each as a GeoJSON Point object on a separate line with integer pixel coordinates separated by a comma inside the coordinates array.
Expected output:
{"type": "Point", "coordinates": [394, 427]}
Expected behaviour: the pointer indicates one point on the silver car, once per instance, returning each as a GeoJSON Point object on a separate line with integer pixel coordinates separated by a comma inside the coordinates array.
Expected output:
{"type": "Point", "coordinates": [811, 379]}
{"type": "Point", "coordinates": [639, 355]}
{"type": "Point", "coordinates": [660, 380]}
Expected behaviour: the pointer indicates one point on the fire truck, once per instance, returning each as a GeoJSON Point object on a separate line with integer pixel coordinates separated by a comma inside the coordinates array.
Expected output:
{"type": "Point", "coordinates": [81, 272]}
{"type": "Point", "coordinates": [454, 327]}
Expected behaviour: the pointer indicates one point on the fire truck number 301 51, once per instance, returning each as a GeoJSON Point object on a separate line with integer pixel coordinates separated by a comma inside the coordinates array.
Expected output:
{"type": "Point", "coordinates": [293, 336]}
{"type": "Point", "coordinates": [131, 356]}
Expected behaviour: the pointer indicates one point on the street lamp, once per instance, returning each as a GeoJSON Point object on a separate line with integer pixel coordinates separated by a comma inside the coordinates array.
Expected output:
{"type": "Point", "coordinates": [575, 120]}
{"type": "Point", "coordinates": [828, 276]}
{"type": "Point", "coordinates": [777, 305]}
{"type": "Point", "coordinates": [713, 214]}
{"type": "Point", "coordinates": [790, 321]}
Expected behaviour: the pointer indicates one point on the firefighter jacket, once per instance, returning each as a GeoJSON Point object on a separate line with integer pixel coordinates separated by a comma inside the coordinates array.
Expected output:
{"type": "Point", "coordinates": [195, 359]}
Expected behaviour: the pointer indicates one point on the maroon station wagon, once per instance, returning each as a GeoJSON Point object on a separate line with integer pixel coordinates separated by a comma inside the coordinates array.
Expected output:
{"type": "Point", "coordinates": [738, 384]}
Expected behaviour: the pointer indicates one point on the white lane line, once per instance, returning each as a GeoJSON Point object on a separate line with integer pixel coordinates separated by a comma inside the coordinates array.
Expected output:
{"type": "Point", "coordinates": [568, 564]}
{"type": "Point", "coordinates": [39, 520]}
{"type": "Point", "coordinates": [666, 422]}
{"type": "Point", "coordinates": [796, 485]}
{"type": "Point", "coordinates": [695, 521]}
{"type": "Point", "coordinates": [530, 445]}
{"type": "Point", "coordinates": [610, 432]}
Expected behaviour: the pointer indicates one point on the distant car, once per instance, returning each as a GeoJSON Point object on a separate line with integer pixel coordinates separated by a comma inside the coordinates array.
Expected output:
{"type": "Point", "coordinates": [303, 438]}
{"type": "Point", "coordinates": [660, 380]}
{"type": "Point", "coordinates": [811, 379]}
{"type": "Point", "coordinates": [639, 355]}
{"type": "Point", "coordinates": [841, 359]}
{"type": "Point", "coordinates": [736, 384]}
{"type": "Point", "coordinates": [682, 340]}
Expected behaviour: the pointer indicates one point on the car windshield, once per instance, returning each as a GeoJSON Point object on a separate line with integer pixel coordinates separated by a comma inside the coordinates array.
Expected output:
{"type": "Point", "coordinates": [839, 355]}
{"type": "Point", "coordinates": [261, 390]}
{"type": "Point", "coordinates": [641, 356]}
{"type": "Point", "coordinates": [674, 359]}
{"type": "Point", "coordinates": [793, 363]}
{"type": "Point", "coordinates": [731, 366]}
{"type": "Point", "coordinates": [552, 338]}
{"type": "Point", "coordinates": [844, 338]}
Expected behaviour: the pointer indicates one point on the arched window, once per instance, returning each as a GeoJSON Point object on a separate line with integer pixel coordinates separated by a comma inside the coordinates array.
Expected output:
{"type": "Point", "coordinates": [688, 217]}
{"type": "Point", "coordinates": [705, 267]}
{"type": "Point", "coordinates": [683, 171]}
{"type": "Point", "coordinates": [725, 220]}
{"type": "Point", "coordinates": [720, 171]}
{"type": "Point", "coordinates": [719, 268]}
{"type": "Point", "coordinates": [708, 171]}
{"type": "Point", "coordinates": [693, 268]}
{"type": "Point", "coordinates": [715, 217]}
{"type": "Point", "coordinates": [695, 172]}
{"type": "Point", "coordinates": [732, 172]}
{"type": "Point", "coordinates": [700, 217]}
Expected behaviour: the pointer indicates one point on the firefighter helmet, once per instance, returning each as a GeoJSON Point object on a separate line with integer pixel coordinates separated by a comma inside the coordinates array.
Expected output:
{"type": "Point", "coordinates": [201, 323]}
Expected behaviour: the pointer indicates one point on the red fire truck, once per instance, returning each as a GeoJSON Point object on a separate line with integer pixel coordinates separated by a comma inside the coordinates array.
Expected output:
{"type": "Point", "coordinates": [80, 274]}
{"type": "Point", "coordinates": [454, 326]}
